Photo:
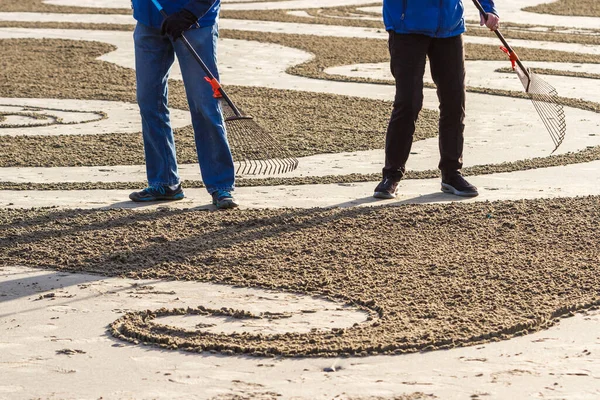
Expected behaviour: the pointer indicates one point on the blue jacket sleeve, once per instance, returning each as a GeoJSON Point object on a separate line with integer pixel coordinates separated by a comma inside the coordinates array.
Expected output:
{"type": "Point", "coordinates": [200, 7]}
{"type": "Point", "coordinates": [488, 6]}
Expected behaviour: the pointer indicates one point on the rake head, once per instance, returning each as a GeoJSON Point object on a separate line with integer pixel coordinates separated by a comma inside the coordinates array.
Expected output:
{"type": "Point", "coordinates": [254, 150]}
{"type": "Point", "coordinates": [547, 104]}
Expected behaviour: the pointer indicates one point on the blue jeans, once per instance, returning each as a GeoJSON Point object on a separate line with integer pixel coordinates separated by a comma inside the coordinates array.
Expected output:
{"type": "Point", "coordinates": [154, 56]}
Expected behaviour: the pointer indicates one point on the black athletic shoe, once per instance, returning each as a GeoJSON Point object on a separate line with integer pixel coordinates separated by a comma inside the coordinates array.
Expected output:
{"type": "Point", "coordinates": [158, 193]}
{"type": "Point", "coordinates": [455, 183]}
{"type": "Point", "coordinates": [386, 189]}
{"type": "Point", "coordinates": [223, 200]}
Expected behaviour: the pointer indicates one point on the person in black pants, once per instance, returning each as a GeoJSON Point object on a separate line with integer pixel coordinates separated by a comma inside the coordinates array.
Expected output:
{"type": "Point", "coordinates": [419, 29]}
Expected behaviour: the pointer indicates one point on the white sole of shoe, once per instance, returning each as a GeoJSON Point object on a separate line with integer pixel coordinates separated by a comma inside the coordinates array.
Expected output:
{"type": "Point", "coordinates": [450, 189]}
{"type": "Point", "coordinates": [384, 195]}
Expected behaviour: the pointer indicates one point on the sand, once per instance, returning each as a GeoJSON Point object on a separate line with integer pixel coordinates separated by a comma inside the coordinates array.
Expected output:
{"type": "Point", "coordinates": [455, 263]}
{"type": "Point", "coordinates": [428, 276]}
{"type": "Point", "coordinates": [584, 8]}
{"type": "Point", "coordinates": [290, 116]}
{"type": "Point", "coordinates": [284, 114]}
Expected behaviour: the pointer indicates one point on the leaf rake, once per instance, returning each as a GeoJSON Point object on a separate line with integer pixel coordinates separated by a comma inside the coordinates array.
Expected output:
{"type": "Point", "coordinates": [544, 96]}
{"type": "Point", "coordinates": [255, 151]}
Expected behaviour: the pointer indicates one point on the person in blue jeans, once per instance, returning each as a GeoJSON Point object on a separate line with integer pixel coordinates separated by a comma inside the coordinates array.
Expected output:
{"type": "Point", "coordinates": [156, 44]}
{"type": "Point", "coordinates": [420, 29]}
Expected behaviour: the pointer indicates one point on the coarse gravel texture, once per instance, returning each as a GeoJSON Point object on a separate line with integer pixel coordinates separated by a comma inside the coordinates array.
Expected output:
{"type": "Point", "coordinates": [582, 8]}
{"type": "Point", "coordinates": [431, 276]}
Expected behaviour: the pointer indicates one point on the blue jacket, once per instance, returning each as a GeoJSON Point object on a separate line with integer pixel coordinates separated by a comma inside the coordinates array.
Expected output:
{"type": "Point", "coordinates": [436, 18]}
{"type": "Point", "coordinates": [146, 13]}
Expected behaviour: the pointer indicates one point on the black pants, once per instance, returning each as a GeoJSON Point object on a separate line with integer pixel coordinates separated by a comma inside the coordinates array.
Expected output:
{"type": "Point", "coordinates": [446, 58]}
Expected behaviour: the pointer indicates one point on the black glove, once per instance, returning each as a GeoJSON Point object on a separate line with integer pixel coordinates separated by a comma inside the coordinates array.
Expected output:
{"type": "Point", "coordinates": [175, 24]}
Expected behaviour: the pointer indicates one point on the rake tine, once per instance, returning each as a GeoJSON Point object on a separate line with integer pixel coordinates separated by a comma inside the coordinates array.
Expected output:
{"type": "Point", "coordinates": [291, 163]}
{"type": "Point", "coordinates": [256, 165]}
{"type": "Point", "coordinates": [268, 166]}
{"type": "Point", "coordinates": [543, 95]}
{"type": "Point", "coordinates": [280, 166]}
{"type": "Point", "coordinates": [551, 111]}
{"type": "Point", "coordinates": [271, 166]}
{"type": "Point", "coordinates": [250, 141]}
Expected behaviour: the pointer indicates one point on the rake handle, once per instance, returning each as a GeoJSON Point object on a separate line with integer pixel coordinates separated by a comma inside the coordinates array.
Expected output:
{"type": "Point", "coordinates": [500, 36]}
{"type": "Point", "coordinates": [209, 74]}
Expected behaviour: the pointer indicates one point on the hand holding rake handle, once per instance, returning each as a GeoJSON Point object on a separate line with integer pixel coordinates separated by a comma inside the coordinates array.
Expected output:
{"type": "Point", "coordinates": [512, 54]}
{"type": "Point", "coordinates": [543, 96]}
{"type": "Point", "coordinates": [210, 78]}
{"type": "Point", "coordinates": [258, 151]}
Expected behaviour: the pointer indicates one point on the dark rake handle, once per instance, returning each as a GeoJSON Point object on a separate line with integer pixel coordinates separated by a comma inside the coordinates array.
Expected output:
{"type": "Point", "coordinates": [189, 46]}
{"type": "Point", "coordinates": [501, 37]}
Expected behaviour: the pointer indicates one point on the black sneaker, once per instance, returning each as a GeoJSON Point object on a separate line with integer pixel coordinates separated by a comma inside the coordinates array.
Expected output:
{"type": "Point", "coordinates": [158, 193]}
{"type": "Point", "coordinates": [223, 199]}
{"type": "Point", "coordinates": [456, 184]}
{"type": "Point", "coordinates": [386, 189]}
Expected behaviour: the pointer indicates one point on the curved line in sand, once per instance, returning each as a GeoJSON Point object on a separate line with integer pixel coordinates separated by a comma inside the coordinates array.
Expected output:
{"type": "Point", "coordinates": [248, 63]}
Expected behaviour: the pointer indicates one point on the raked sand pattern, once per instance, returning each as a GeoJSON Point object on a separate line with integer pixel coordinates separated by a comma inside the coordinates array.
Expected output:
{"type": "Point", "coordinates": [306, 291]}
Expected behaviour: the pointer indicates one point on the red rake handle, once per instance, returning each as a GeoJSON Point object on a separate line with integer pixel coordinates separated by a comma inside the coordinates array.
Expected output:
{"type": "Point", "coordinates": [511, 53]}
{"type": "Point", "coordinates": [218, 90]}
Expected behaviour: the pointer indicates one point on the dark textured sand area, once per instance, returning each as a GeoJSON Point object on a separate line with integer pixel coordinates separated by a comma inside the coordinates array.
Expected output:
{"type": "Point", "coordinates": [432, 276]}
